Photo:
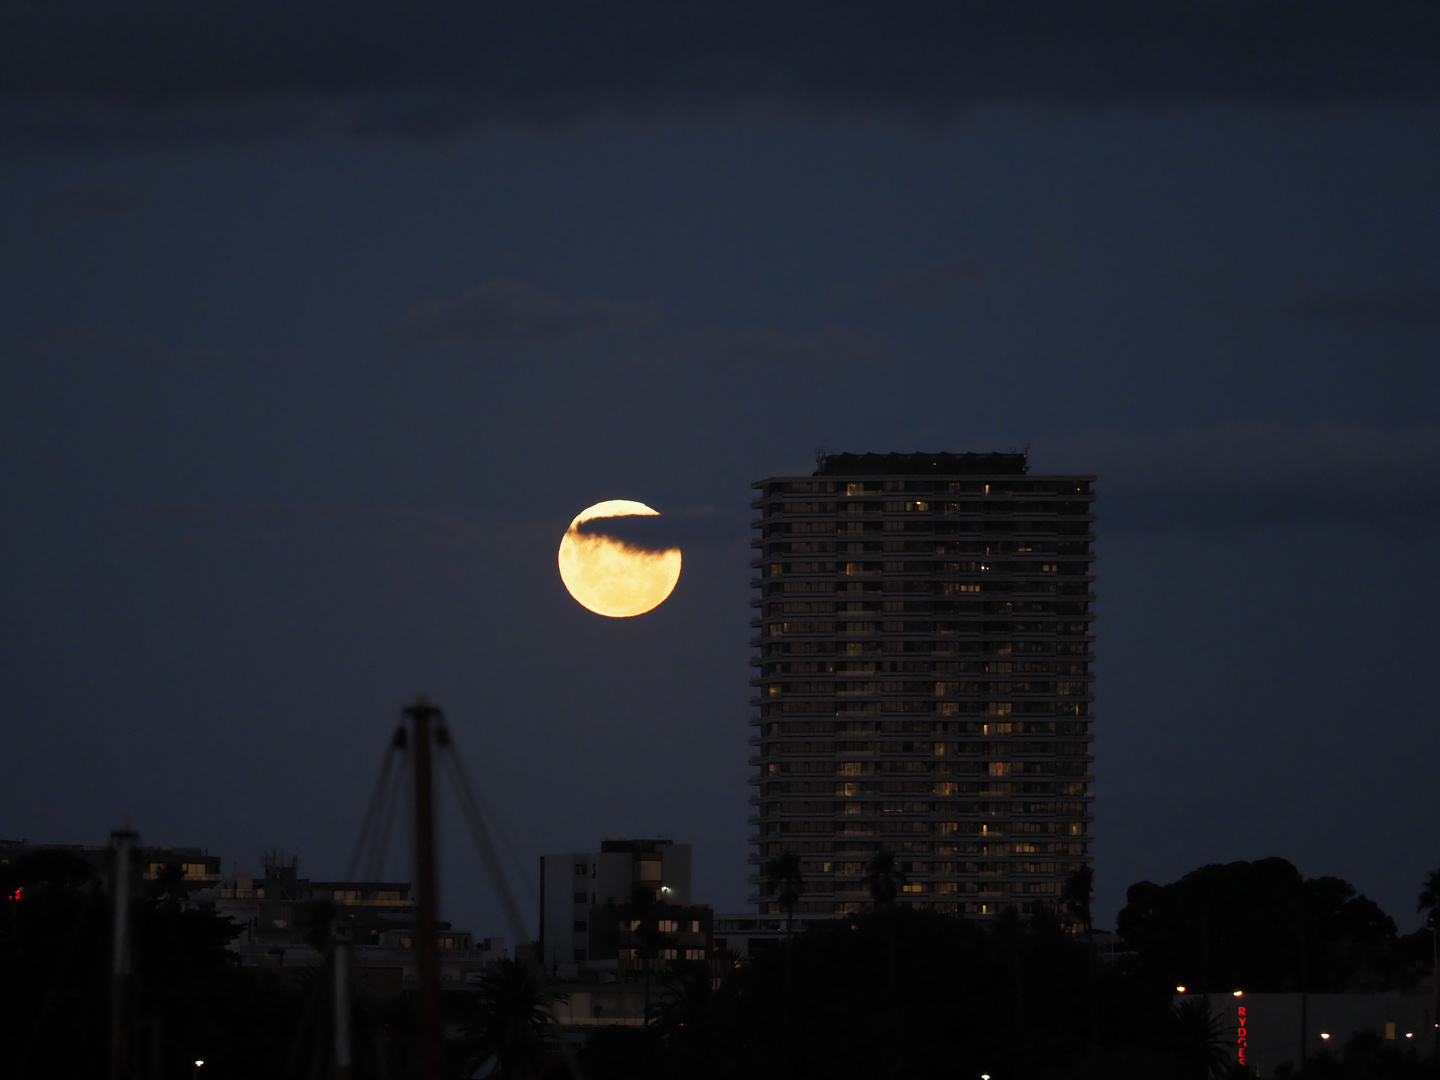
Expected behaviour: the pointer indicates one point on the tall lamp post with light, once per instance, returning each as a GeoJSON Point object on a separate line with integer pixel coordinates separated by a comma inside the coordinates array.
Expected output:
{"type": "Point", "coordinates": [196, 1074]}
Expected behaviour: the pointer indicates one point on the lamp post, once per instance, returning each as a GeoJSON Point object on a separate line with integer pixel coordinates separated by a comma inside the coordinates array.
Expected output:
{"type": "Point", "coordinates": [196, 1073]}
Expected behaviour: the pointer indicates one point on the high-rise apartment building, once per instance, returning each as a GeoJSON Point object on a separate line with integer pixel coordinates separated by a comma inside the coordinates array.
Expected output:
{"type": "Point", "coordinates": [924, 681]}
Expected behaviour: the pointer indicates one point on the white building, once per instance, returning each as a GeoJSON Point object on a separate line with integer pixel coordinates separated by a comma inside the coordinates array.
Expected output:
{"type": "Point", "coordinates": [574, 885]}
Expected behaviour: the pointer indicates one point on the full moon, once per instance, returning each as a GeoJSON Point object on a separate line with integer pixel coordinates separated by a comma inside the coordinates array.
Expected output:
{"type": "Point", "coordinates": [610, 577]}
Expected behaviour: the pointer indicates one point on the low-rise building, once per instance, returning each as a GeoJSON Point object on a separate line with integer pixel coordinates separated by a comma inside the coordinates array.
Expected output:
{"type": "Point", "coordinates": [279, 908]}
{"type": "Point", "coordinates": [189, 868]}
{"type": "Point", "coordinates": [625, 907]}
{"type": "Point", "coordinates": [1264, 1031]}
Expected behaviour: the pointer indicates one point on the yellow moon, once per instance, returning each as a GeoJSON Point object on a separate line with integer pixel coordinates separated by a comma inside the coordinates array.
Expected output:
{"type": "Point", "coordinates": [612, 578]}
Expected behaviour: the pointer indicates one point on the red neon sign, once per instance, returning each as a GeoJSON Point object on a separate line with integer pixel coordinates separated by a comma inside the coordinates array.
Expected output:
{"type": "Point", "coordinates": [1241, 1039]}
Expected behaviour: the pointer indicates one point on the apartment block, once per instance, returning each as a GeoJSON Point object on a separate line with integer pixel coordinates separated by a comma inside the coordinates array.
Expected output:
{"type": "Point", "coordinates": [923, 680]}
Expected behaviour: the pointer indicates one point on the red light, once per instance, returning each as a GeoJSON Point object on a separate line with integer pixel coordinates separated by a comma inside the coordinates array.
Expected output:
{"type": "Point", "coordinates": [18, 894]}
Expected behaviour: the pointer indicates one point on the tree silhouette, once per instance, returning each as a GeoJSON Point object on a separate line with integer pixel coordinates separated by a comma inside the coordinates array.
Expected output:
{"type": "Point", "coordinates": [685, 1021]}
{"type": "Point", "coordinates": [1198, 1042]}
{"type": "Point", "coordinates": [169, 885]}
{"type": "Point", "coordinates": [1079, 890]}
{"type": "Point", "coordinates": [884, 878]}
{"type": "Point", "coordinates": [786, 883]}
{"type": "Point", "coordinates": [513, 1026]}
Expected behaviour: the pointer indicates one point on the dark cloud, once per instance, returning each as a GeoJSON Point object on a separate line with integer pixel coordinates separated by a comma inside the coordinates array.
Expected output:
{"type": "Point", "coordinates": [89, 67]}
{"type": "Point", "coordinates": [934, 285]}
{"type": "Point", "coordinates": [1396, 307]}
{"type": "Point", "coordinates": [86, 202]}
{"type": "Point", "coordinates": [354, 528]}
{"type": "Point", "coordinates": [512, 311]}
{"type": "Point", "coordinates": [672, 529]}
{"type": "Point", "coordinates": [766, 347]}
{"type": "Point", "coordinates": [1256, 475]}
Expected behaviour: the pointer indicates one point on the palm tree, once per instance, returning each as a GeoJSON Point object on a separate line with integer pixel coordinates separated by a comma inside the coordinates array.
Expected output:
{"type": "Point", "coordinates": [1198, 1042]}
{"type": "Point", "coordinates": [786, 883]}
{"type": "Point", "coordinates": [169, 885]}
{"type": "Point", "coordinates": [684, 1020]}
{"type": "Point", "coordinates": [1429, 905]}
{"type": "Point", "coordinates": [884, 879]}
{"type": "Point", "coordinates": [513, 1025]}
{"type": "Point", "coordinates": [1079, 889]}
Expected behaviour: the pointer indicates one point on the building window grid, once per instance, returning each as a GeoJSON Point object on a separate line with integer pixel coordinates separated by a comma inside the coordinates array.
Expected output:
{"type": "Point", "coordinates": [903, 572]}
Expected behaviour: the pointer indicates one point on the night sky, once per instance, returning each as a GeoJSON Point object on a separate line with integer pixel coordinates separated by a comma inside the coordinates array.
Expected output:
{"type": "Point", "coordinates": [320, 321]}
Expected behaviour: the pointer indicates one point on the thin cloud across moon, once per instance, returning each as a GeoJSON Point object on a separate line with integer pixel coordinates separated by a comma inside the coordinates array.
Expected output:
{"type": "Point", "coordinates": [610, 577]}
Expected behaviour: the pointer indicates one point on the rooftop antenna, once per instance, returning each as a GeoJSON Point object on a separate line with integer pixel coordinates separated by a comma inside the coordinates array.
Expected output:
{"type": "Point", "coordinates": [821, 453]}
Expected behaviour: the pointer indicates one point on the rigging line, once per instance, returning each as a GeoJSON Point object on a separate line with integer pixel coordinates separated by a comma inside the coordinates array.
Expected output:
{"type": "Point", "coordinates": [487, 851]}
{"type": "Point", "coordinates": [368, 822]}
{"type": "Point", "coordinates": [382, 838]}
{"type": "Point", "coordinates": [405, 801]}
{"type": "Point", "coordinates": [486, 847]}
{"type": "Point", "coordinates": [383, 813]}
{"type": "Point", "coordinates": [481, 834]}
{"type": "Point", "coordinates": [488, 813]}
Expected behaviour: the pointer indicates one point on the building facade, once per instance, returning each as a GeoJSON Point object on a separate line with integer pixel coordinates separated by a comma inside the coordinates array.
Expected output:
{"type": "Point", "coordinates": [923, 680]}
{"type": "Point", "coordinates": [189, 868]}
{"type": "Point", "coordinates": [623, 908]}
{"type": "Point", "coordinates": [279, 908]}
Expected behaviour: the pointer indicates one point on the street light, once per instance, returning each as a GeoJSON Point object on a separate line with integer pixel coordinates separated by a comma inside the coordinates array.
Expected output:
{"type": "Point", "coordinates": [198, 1063]}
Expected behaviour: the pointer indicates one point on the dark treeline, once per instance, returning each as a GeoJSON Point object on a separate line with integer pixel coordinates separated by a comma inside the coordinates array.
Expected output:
{"type": "Point", "coordinates": [888, 993]}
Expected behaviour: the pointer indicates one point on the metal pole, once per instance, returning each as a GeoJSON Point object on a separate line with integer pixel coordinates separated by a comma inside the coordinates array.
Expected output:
{"type": "Point", "coordinates": [342, 1009]}
{"type": "Point", "coordinates": [123, 840]}
{"type": "Point", "coordinates": [421, 714]}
